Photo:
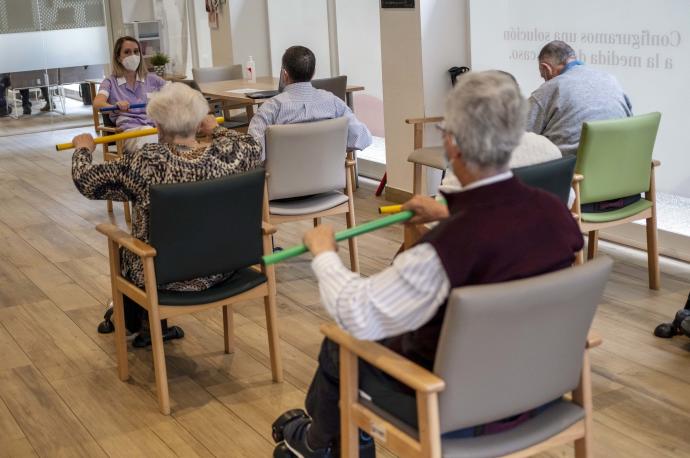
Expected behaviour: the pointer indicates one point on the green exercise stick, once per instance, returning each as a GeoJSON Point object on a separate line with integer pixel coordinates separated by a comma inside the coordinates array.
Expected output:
{"type": "Point", "coordinates": [342, 235]}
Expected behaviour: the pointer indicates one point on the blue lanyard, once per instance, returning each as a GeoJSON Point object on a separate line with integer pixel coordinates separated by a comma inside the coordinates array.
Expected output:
{"type": "Point", "coordinates": [571, 64]}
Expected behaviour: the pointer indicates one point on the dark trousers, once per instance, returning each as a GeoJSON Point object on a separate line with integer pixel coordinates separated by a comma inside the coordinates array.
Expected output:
{"type": "Point", "coordinates": [4, 84]}
{"type": "Point", "coordinates": [323, 396]}
{"type": "Point", "coordinates": [135, 316]}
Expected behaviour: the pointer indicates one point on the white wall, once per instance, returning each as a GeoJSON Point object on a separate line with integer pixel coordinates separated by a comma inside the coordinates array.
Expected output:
{"type": "Point", "coordinates": [651, 87]}
{"type": "Point", "coordinates": [403, 93]}
{"type": "Point", "coordinates": [359, 57]}
{"type": "Point", "coordinates": [445, 28]}
{"type": "Point", "coordinates": [299, 22]}
{"type": "Point", "coordinates": [137, 10]}
{"type": "Point", "coordinates": [250, 34]}
{"type": "Point", "coordinates": [203, 34]}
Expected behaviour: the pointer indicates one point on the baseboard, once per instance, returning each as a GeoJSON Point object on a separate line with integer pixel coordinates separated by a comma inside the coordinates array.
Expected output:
{"type": "Point", "coordinates": [370, 169]}
{"type": "Point", "coordinates": [397, 195]}
{"type": "Point", "coordinates": [634, 235]}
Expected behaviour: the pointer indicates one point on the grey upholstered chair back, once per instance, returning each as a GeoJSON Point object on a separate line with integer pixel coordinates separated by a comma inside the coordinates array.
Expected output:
{"type": "Point", "coordinates": [337, 85]}
{"type": "Point", "coordinates": [306, 158]}
{"type": "Point", "coordinates": [554, 176]}
{"type": "Point", "coordinates": [206, 227]}
{"type": "Point", "coordinates": [211, 74]}
{"type": "Point", "coordinates": [509, 347]}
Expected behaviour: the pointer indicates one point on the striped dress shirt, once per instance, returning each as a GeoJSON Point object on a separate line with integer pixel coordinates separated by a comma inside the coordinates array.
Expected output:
{"type": "Point", "coordinates": [302, 102]}
{"type": "Point", "coordinates": [398, 299]}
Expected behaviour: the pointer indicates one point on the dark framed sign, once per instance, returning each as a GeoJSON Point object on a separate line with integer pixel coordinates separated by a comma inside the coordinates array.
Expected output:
{"type": "Point", "coordinates": [397, 3]}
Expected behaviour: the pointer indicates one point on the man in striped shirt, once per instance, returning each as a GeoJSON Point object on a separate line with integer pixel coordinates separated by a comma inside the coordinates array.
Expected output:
{"type": "Point", "coordinates": [302, 102]}
{"type": "Point", "coordinates": [495, 229]}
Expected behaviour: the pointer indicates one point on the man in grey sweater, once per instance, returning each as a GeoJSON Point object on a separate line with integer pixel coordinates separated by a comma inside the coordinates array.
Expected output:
{"type": "Point", "coordinates": [573, 93]}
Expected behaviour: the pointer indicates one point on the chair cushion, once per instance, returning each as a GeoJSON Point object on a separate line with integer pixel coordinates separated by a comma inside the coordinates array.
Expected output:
{"type": "Point", "coordinates": [304, 205]}
{"type": "Point", "coordinates": [615, 215]}
{"type": "Point", "coordinates": [552, 421]}
{"type": "Point", "coordinates": [431, 157]}
{"type": "Point", "coordinates": [242, 280]}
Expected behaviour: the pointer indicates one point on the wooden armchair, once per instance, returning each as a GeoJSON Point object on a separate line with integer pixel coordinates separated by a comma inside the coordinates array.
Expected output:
{"type": "Point", "coordinates": [220, 221]}
{"type": "Point", "coordinates": [103, 126]}
{"type": "Point", "coordinates": [483, 374]}
{"type": "Point", "coordinates": [421, 156]}
{"type": "Point", "coordinates": [306, 176]}
{"type": "Point", "coordinates": [613, 161]}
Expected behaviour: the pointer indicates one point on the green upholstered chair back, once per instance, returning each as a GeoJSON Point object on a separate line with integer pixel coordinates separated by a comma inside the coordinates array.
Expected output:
{"type": "Point", "coordinates": [615, 157]}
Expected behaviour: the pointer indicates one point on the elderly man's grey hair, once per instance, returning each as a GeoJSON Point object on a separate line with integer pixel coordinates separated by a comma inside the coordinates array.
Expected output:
{"type": "Point", "coordinates": [557, 52]}
{"type": "Point", "coordinates": [177, 109]}
{"type": "Point", "coordinates": [486, 114]}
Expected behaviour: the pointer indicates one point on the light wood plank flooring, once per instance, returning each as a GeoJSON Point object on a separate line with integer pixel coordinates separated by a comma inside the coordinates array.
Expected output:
{"type": "Point", "coordinates": [59, 393]}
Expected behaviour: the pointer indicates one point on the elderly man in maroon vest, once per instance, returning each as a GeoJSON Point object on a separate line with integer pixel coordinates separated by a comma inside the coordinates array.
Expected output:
{"type": "Point", "coordinates": [496, 229]}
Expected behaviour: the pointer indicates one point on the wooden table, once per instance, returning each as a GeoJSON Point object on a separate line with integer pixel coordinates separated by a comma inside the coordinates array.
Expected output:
{"type": "Point", "coordinates": [220, 90]}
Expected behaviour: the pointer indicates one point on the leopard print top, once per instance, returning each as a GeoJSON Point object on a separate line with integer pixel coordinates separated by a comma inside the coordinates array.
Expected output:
{"type": "Point", "coordinates": [129, 178]}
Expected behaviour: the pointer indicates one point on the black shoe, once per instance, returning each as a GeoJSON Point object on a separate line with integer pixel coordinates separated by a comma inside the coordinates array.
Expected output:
{"type": "Point", "coordinates": [295, 442]}
{"type": "Point", "coordinates": [668, 330]}
{"type": "Point", "coordinates": [143, 339]}
{"type": "Point", "coordinates": [279, 424]}
{"type": "Point", "coordinates": [6, 112]}
{"type": "Point", "coordinates": [27, 110]}
{"type": "Point", "coordinates": [685, 326]}
{"type": "Point", "coordinates": [665, 330]}
{"type": "Point", "coordinates": [291, 429]}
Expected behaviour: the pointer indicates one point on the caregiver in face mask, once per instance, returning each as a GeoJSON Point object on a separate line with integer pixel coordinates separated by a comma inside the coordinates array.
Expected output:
{"type": "Point", "coordinates": [129, 84]}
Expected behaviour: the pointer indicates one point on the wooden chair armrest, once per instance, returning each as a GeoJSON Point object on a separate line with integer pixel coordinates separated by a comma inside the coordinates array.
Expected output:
{"type": "Point", "coordinates": [656, 163]}
{"type": "Point", "coordinates": [577, 178]}
{"type": "Point", "coordinates": [112, 130]}
{"type": "Point", "coordinates": [268, 228]}
{"type": "Point", "coordinates": [424, 120]}
{"type": "Point", "coordinates": [593, 340]}
{"type": "Point", "coordinates": [126, 240]}
{"type": "Point", "coordinates": [395, 365]}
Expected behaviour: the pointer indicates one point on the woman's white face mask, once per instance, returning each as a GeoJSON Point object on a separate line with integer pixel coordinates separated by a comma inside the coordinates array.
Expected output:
{"type": "Point", "coordinates": [131, 63]}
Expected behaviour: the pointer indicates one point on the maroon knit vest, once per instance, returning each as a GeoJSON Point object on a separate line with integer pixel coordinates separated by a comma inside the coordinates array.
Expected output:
{"type": "Point", "coordinates": [495, 233]}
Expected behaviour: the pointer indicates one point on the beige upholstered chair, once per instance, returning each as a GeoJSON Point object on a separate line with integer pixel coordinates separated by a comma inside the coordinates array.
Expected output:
{"type": "Point", "coordinates": [336, 85]}
{"type": "Point", "coordinates": [307, 171]}
{"type": "Point", "coordinates": [424, 157]}
{"type": "Point", "coordinates": [504, 349]}
{"type": "Point", "coordinates": [224, 73]}
{"type": "Point", "coordinates": [211, 74]}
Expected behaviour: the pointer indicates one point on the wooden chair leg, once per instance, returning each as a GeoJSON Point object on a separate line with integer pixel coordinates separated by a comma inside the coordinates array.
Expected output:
{"type": "Point", "coordinates": [317, 221]}
{"type": "Point", "coordinates": [583, 397]}
{"type": "Point", "coordinates": [352, 242]}
{"type": "Point", "coordinates": [109, 206]}
{"type": "Point", "coordinates": [417, 179]}
{"type": "Point", "coordinates": [229, 329]}
{"type": "Point", "coordinates": [120, 336]}
{"type": "Point", "coordinates": [128, 213]}
{"type": "Point", "coordinates": [580, 257]}
{"type": "Point", "coordinates": [653, 254]}
{"type": "Point", "coordinates": [159, 362]}
{"type": "Point", "coordinates": [349, 437]}
{"type": "Point", "coordinates": [592, 242]}
{"type": "Point", "coordinates": [272, 327]}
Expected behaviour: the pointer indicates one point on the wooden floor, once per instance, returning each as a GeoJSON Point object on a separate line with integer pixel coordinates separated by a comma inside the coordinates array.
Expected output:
{"type": "Point", "coordinates": [59, 393]}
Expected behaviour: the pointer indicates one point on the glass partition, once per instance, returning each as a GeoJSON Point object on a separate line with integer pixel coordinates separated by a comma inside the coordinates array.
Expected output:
{"type": "Point", "coordinates": [50, 50]}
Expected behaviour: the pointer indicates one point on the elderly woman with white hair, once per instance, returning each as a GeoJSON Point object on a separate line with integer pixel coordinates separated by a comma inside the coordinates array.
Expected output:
{"type": "Point", "coordinates": [179, 113]}
{"type": "Point", "coordinates": [494, 230]}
